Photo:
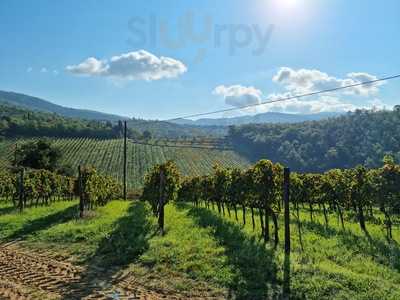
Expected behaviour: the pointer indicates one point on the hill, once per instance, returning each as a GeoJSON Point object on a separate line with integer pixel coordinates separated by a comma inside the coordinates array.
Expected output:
{"type": "Point", "coordinates": [363, 137]}
{"type": "Point", "coordinates": [31, 116]}
{"type": "Point", "coordinates": [163, 129]}
{"type": "Point", "coordinates": [18, 122]}
{"type": "Point", "coordinates": [37, 104]}
{"type": "Point", "coordinates": [269, 117]}
{"type": "Point", "coordinates": [107, 157]}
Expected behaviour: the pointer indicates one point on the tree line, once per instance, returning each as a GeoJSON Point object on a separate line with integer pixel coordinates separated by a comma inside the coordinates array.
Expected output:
{"type": "Point", "coordinates": [20, 122]}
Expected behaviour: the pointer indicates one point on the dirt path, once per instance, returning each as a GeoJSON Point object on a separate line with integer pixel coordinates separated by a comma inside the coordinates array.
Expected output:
{"type": "Point", "coordinates": [26, 276]}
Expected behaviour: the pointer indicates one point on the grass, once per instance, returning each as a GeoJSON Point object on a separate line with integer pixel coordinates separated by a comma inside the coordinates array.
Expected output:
{"type": "Point", "coordinates": [203, 253]}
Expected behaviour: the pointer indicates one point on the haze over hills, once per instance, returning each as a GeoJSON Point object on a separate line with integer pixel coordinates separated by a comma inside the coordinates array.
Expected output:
{"type": "Point", "coordinates": [268, 117]}
{"type": "Point", "coordinates": [34, 103]}
{"type": "Point", "coordinates": [38, 104]}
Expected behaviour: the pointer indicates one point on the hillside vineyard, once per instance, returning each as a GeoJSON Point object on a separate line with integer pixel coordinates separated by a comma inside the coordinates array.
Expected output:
{"type": "Point", "coordinates": [107, 157]}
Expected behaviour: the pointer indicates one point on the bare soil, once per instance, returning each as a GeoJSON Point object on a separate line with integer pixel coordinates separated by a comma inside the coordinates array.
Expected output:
{"type": "Point", "coordinates": [36, 275]}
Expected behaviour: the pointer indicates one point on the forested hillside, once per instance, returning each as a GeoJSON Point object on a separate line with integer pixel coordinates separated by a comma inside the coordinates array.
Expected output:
{"type": "Point", "coordinates": [19, 122]}
{"type": "Point", "coordinates": [34, 103]}
{"type": "Point", "coordinates": [362, 137]}
{"type": "Point", "coordinates": [16, 121]}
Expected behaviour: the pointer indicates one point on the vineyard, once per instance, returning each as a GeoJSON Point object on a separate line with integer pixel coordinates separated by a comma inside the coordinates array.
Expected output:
{"type": "Point", "coordinates": [107, 157]}
{"type": "Point", "coordinates": [353, 193]}
{"type": "Point", "coordinates": [214, 232]}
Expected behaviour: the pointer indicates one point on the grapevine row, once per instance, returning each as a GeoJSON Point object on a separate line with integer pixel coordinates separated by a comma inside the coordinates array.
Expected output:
{"type": "Point", "coordinates": [358, 194]}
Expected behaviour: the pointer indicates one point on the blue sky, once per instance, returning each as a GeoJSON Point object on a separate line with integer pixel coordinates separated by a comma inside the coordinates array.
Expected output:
{"type": "Point", "coordinates": [139, 58]}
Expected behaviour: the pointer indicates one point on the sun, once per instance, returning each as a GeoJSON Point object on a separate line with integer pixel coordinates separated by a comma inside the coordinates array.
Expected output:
{"type": "Point", "coordinates": [287, 5]}
{"type": "Point", "coordinates": [285, 13]}
{"type": "Point", "coordinates": [284, 9]}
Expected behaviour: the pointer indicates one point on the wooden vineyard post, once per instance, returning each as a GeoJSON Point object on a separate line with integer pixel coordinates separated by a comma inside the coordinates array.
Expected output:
{"type": "Point", "coordinates": [286, 185]}
{"type": "Point", "coordinates": [21, 189]}
{"type": "Point", "coordinates": [81, 204]}
{"type": "Point", "coordinates": [161, 203]}
{"type": "Point", "coordinates": [125, 160]}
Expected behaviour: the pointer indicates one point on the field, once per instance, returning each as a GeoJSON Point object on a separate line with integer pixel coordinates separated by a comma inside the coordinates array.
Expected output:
{"type": "Point", "coordinates": [117, 251]}
{"type": "Point", "coordinates": [107, 157]}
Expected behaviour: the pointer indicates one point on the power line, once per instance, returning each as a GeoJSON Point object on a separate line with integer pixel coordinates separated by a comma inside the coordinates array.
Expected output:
{"type": "Point", "coordinates": [370, 82]}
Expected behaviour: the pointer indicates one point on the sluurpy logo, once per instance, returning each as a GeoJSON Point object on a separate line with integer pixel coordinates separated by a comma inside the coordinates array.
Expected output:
{"type": "Point", "coordinates": [154, 31]}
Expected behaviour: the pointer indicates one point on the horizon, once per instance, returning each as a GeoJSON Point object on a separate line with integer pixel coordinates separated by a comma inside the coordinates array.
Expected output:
{"type": "Point", "coordinates": [229, 54]}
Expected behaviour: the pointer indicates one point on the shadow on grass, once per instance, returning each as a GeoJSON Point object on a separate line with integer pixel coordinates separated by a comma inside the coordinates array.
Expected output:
{"type": "Point", "coordinates": [378, 249]}
{"type": "Point", "coordinates": [253, 264]}
{"type": "Point", "coordinates": [7, 210]}
{"type": "Point", "coordinates": [44, 223]}
{"type": "Point", "coordinates": [116, 251]}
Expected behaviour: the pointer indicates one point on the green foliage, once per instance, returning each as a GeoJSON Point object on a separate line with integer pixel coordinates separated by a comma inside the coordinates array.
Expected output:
{"type": "Point", "coordinates": [7, 185]}
{"type": "Point", "coordinates": [39, 186]}
{"type": "Point", "coordinates": [39, 154]}
{"type": "Point", "coordinates": [152, 190]}
{"type": "Point", "coordinates": [17, 121]}
{"type": "Point", "coordinates": [352, 192]}
{"type": "Point", "coordinates": [359, 138]}
{"type": "Point", "coordinates": [267, 181]}
{"type": "Point", "coordinates": [98, 189]}
{"type": "Point", "coordinates": [190, 190]}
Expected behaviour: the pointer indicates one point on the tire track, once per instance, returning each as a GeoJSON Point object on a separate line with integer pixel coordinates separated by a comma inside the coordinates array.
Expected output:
{"type": "Point", "coordinates": [26, 276]}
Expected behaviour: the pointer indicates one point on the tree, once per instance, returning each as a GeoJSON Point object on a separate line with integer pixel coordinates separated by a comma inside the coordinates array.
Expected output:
{"type": "Point", "coordinates": [146, 135]}
{"type": "Point", "coordinates": [39, 154]}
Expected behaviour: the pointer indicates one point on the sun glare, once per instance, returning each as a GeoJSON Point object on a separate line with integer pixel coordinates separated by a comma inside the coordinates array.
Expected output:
{"type": "Point", "coordinates": [285, 12]}
{"type": "Point", "coordinates": [289, 3]}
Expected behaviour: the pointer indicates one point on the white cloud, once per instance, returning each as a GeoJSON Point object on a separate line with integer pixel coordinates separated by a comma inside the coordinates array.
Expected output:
{"type": "Point", "coordinates": [43, 70]}
{"type": "Point", "coordinates": [307, 80]}
{"type": "Point", "coordinates": [29, 70]}
{"type": "Point", "coordinates": [55, 72]}
{"type": "Point", "coordinates": [322, 104]}
{"type": "Point", "coordinates": [90, 67]}
{"type": "Point", "coordinates": [238, 95]}
{"type": "Point", "coordinates": [139, 65]}
{"type": "Point", "coordinates": [362, 90]}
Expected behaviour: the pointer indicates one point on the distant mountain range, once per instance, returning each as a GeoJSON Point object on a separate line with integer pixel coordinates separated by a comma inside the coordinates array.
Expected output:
{"type": "Point", "coordinates": [38, 104]}
{"type": "Point", "coordinates": [269, 117]}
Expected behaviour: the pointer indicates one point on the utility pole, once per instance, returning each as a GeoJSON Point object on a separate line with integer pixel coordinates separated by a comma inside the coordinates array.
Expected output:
{"type": "Point", "coordinates": [125, 161]}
